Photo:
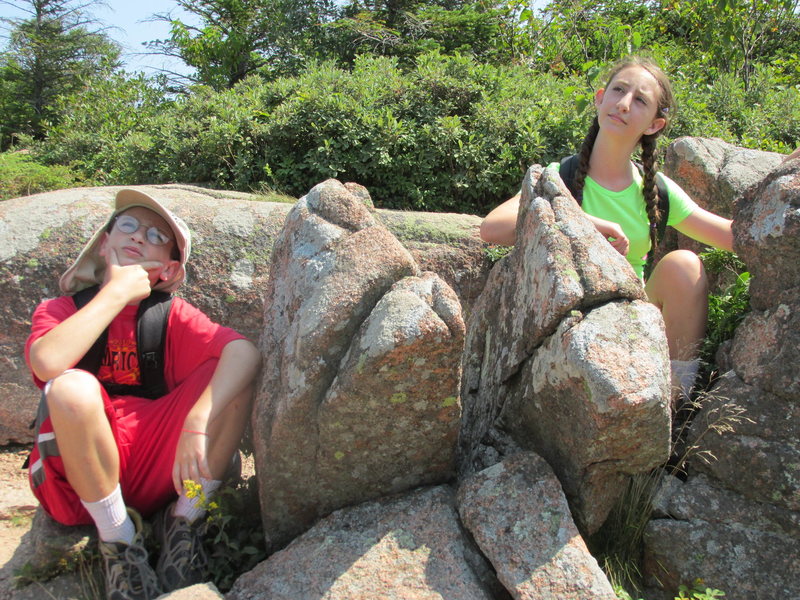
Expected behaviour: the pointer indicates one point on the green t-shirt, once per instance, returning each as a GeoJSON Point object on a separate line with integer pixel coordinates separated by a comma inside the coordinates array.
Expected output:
{"type": "Point", "coordinates": [627, 209]}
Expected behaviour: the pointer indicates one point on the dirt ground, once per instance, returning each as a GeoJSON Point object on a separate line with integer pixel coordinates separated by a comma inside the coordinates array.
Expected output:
{"type": "Point", "coordinates": [17, 505]}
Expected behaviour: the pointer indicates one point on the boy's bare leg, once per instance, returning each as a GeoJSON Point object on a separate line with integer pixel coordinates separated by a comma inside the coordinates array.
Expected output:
{"type": "Point", "coordinates": [226, 430]}
{"type": "Point", "coordinates": [91, 461]}
{"type": "Point", "coordinates": [180, 527]}
{"type": "Point", "coordinates": [83, 435]}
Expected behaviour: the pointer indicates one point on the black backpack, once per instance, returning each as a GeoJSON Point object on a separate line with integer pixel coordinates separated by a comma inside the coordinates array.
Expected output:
{"type": "Point", "coordinates": [569, 167]}
{"type": "Point", "coordinates": [151, 332]}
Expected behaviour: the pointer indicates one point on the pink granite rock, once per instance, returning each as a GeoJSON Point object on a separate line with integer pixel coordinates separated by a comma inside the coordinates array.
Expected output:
{"type": "Point", "coordinates": [518, 516]}
{"type": "Point", "coordinates": [359, 389]}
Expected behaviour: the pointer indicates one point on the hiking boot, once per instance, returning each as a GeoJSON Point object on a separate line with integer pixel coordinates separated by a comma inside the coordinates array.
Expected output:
{"type": "Point", "coordinates": [128, 574]}
{"type": "Point", "coordinates": [183, 560]}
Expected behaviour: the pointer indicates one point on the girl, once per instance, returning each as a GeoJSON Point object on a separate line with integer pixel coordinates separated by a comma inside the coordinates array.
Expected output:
{"type": "Point", "coordinates": [633, 109]}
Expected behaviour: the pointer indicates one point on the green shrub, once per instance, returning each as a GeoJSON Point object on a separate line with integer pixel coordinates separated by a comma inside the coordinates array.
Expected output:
{"type": "Point", "coordinates": [728, 308]}
{"type": "Point", "coordinates": [764, 117]}
{"type": "Point", "coordinates": [446, 133]}
{"type": "Point", "coordinates": [98, 122]}
{"type": "Point", "coordinates": [451, 134]}
{"type": "Point", "coordinates": [235, 540]}
{"type": "Point", "coordinates": [21, 175]}
{"type": "Point", "coordinates": [698, 591]}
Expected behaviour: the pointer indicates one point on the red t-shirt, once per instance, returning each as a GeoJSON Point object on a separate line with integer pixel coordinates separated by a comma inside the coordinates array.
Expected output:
{"type": "Point", "coordinates": [192, 339]}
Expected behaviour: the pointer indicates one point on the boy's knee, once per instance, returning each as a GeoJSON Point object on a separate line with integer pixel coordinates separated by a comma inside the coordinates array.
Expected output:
{"type": "Point", "coordinates": [247, 353]}
{"type": "Point", "coordinates": [74, 391]}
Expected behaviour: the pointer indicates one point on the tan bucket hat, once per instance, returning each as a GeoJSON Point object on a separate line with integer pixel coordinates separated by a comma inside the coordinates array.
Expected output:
{"type": "Point", "coordinates": [89, 268]}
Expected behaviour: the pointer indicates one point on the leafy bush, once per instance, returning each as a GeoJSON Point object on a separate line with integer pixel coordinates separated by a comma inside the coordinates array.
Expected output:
{"type": "Point", "coordinates": [235, 540]}
{"type": "Point", "coordinates": [726, 309]}
{"type": "Point", "coordinates": [445, 134]}
{"type": "Point", "coordinates": [766, 116]}
{"type": "Point", "coordinates": [97, 124]}
{"type": "Point", "coordinates": [20, 175]}
{"type": "Point", "coordinates": [450, 135]}
{"type": "Point", "coordinates": [698, 591]}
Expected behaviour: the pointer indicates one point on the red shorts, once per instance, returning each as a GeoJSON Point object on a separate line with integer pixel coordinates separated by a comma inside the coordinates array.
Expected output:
{"type": "Point", "coordinates": [146, 432]}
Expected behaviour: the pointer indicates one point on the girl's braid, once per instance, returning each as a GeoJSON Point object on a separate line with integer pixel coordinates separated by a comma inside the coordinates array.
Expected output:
{"type": "Point", "coordinates": [649, 189]}
{"type": "Point", "coordinates": [584, 156]}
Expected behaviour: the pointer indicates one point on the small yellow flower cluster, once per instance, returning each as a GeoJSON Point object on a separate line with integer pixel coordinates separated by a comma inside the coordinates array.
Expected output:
{"type": "Point", "coordinates": [194, 490]}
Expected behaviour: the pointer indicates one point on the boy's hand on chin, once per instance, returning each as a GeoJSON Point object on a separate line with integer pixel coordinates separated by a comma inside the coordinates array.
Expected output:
{"type": "Point", "coordinates": [129, 282]}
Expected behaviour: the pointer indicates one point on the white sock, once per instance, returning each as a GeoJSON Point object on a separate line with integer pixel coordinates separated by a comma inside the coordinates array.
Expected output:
{"type": "Point", "coordinates": [190, 508]}
{"type": "Point", "coordinates": [684, 372]}
{"type": "Point", "coordinates": [111, 518]}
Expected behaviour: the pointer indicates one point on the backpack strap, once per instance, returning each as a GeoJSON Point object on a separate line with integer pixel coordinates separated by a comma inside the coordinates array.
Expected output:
{"type": "Point", "coordinates": [151, 333]}
{"type": "Point", "coordinates": [151, 336]}
{"type": "Point", "coordinates": [567, 170]}
{"type": "Point", "coordinates": [94, 357]}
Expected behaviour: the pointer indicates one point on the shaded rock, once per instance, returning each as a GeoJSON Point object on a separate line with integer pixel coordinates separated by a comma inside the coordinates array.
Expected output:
{"type": "Point", "coordinates": [233, 238]}
{"type": "Point", "coordinates": [52, 561]}
{"type": "Point", "coordinates": [68, 586]}
{"type": "Point", "coordinates": [564, 357]}
{"type": "Point", "coordinates": [766, 350]}
{"type": "Point", "coordinates": [518, 516]}
{"type": "Point", "coordinates": [699, 497]}
{"type": "Point", "coordinates": [409, 547]}
{"type": "Point", "coordinates": [742, 561]}
{"type": "Point", "coordinates": [744, 547]}
{"type": "Point", "coordinates": [20, 400]}
{"type": "Point", "coordinates": [54, 545]}
{"type": "Point", "coordinates": [359, 388]}
{"type": "Point", "coordinates": [759, 456]}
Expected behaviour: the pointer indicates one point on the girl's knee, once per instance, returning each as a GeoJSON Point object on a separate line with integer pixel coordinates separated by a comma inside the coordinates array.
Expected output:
{"type": "Point", "coordinates": [685, 269]}
{"type": "Point", "coordinates": [685, 259]}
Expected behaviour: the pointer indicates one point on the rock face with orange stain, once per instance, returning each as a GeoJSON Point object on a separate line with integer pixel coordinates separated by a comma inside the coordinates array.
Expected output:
{"type": "Point", "coordinates": [735, 520]}
{"type": "Point", "coordinates": [566, 358]}
{"type": "Point", "coordinates": [359, 388]}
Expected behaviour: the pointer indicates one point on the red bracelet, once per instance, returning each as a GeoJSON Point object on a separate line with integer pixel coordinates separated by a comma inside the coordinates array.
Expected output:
{"type": "Point", "coordinates": [193, 431]}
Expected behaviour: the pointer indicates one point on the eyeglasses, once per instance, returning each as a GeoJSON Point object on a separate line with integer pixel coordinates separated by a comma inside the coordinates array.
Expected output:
{"type": "Point", "coordinates": [130, 224]}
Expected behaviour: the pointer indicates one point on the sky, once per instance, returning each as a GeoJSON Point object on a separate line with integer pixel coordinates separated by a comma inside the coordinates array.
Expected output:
{"type": "Point", "coordinates": [128, 25]}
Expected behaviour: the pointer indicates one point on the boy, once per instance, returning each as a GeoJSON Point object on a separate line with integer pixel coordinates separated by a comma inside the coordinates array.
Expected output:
{"type": "Point", "coordinates": [105, 454]}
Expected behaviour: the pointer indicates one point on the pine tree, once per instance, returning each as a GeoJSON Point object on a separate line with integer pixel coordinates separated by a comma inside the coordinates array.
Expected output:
{"type": "Point", "coordinates": [54, 51]}
{"type": "Point", "coordinates": [234, 38]}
